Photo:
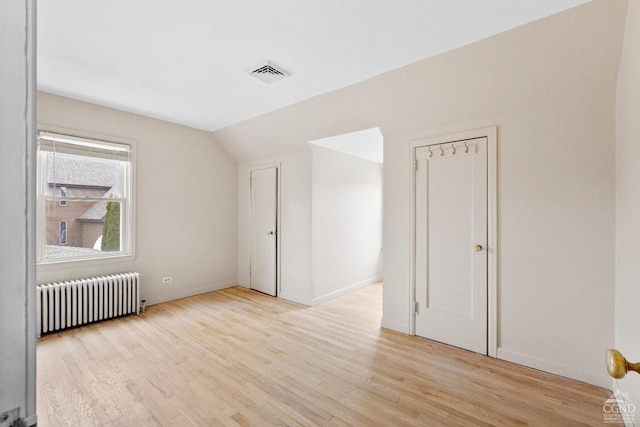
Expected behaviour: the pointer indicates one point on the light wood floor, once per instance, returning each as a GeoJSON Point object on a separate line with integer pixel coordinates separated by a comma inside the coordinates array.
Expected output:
{"type": "Point", "coordinates": [237, 357]}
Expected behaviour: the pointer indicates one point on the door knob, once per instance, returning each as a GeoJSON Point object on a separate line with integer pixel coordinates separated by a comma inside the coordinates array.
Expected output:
{"type": "Point", "coordinates": [478, 248]}
{"type": "Point", "coordinates": [270, 233]}
{"type": "Point", "coordinates": [618, 366]}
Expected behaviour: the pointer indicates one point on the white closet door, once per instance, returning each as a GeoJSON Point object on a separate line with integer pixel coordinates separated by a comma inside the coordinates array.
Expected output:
{"type": "Point", "coordinates": [451, 240]}
{"type": "Point", "coordinates": [264, 214]}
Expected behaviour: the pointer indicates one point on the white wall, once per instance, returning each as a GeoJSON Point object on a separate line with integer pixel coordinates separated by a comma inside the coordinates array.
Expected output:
{"type": "Point", "coordinates": [627, 306]}
{"type": "Point", "coordinates": [346, 223]}
{"type": "Point", "coordinates": [550, 88]}
{"type": "Point", "coordinates": [17, 177]}
{"type": "Point", "coordinates": [186, 201]}
{"type": "Point", "coordinates": [295, 221]}
{"type": "Point", "coordinates": [317, 265]}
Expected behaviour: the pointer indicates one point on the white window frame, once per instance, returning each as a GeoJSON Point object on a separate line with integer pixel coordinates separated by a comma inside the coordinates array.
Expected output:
{"type": "Point", "coordinates": [127, 201]}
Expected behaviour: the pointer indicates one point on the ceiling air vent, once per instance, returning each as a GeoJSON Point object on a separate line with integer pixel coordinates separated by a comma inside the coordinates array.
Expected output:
{"type": "Point", "coordinates": [268, 72]}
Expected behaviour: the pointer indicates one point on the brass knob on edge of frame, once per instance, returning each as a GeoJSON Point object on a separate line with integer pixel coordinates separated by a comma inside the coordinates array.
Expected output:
{"type": "Point", "coordinates": [478, 248]}
{"type": "Point", "coordinates": [618, 366]}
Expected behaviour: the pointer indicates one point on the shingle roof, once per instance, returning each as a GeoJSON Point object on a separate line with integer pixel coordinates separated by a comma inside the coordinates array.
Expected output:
{"type": "Point", "coordinates": [65, 251]}
{"type": "Point", "coordinates": [97, 211]}
{"type": "Point", "coordinates": [85, 171]}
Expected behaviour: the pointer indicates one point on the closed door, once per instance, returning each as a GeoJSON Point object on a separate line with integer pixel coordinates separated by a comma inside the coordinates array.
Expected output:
{"type": "Point", "coordinates": [451, 240]}
{"type": "Point", "coordinates": [264, 233]}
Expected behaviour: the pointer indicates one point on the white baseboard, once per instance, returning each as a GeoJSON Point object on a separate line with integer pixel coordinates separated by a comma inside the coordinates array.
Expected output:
{"type": "Point", "coordinates": [600, 380]}
{"type": "Point", "coordinates": [624, 410]}
{"type": "Point", "coordinates": [395, 326]}
{"type": "Point", "coordinates": [335, 294]}
{"type": "Point", "coordinates": [188, 293]}
{"type": "Point", "coordinates": [295, 298]}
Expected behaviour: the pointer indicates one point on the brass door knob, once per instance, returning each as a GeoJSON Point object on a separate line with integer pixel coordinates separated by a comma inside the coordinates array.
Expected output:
{"type": "Point", "coordinates": [478, 248]}
{"type": "Point", "coordinates": [617, 365]}
{"type": "Point", "coordinates": [270, 233]}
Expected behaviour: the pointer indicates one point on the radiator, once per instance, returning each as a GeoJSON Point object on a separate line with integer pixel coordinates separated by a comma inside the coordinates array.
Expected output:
{"type": "Point", "coordinates": [73, 303]}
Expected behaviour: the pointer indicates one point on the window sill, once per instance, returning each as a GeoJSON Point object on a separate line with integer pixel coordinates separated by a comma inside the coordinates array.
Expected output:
{"type": "Point", "coordinates": [49, 265]}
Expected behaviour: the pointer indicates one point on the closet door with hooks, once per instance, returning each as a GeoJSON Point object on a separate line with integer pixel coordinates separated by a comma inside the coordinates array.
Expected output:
{"type": "Point", "coordinates": [450, 243]}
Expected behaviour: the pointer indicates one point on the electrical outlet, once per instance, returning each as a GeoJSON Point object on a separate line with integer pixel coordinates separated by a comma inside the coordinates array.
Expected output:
{"type": "Point", "coordinates": [166, 279]}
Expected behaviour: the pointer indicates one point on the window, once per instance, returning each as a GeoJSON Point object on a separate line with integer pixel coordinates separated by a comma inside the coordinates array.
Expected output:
{"type": "Point", "coordinates": [63, 195]}
{"type": "Point", "coordinates": [63, 233]}
{"type": "Point", "coordinates": [85, 208]}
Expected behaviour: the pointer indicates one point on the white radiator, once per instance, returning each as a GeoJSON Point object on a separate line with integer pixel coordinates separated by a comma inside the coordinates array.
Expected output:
{"type": "Point", "coordinates": [76, 302]}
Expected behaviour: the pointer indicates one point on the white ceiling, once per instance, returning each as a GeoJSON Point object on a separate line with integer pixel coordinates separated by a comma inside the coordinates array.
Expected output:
{"type": "Point", "coordinates": [185, 61]}
{"type": "Point", "coordinates": [367, 144]}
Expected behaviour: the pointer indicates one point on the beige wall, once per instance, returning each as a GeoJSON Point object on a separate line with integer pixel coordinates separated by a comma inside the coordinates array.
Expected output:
{"type": "Point", "coordinates": [628, 202]}
{"type": "Point", "coordinates": [330, 224]}
{"type": "Point", "coordinates": [294, 236]}
{"type": "Point", "coordinates": [186, 201]}
{"type": "Point", "coordinates": [550, 88]}
{"type": "Point", "coordinates": [346, 223]}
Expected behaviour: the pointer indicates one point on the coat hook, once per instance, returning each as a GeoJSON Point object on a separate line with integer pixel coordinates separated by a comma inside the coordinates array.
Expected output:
{"type": "Point", "coordinates": [453, 148]}
{"type": "Point", "coordinates": [430, 152]}
{"type": "Point", "coordinates": [441, 151]}
{"type": "Point", "coordinates": [466, 147]}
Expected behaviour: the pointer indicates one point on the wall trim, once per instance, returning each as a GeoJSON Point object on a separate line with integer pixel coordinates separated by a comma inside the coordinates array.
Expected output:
{"type": "Point", "coordinates": [192, 292]}
{"type": "Point", "coordinates": [297, 299]}
{"type": "Point", "coordinates": [619, 395]}
{"type": "Point", "coordinates": [600, 380]}
{"type": "Point", "coordinates": [395, 326]}
{"type": "Point", "coordinates": [350, 288]}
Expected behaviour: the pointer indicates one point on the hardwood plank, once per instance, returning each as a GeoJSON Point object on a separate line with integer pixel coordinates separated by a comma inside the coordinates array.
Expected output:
{"type": "Point", "coordinates": [240, 358]}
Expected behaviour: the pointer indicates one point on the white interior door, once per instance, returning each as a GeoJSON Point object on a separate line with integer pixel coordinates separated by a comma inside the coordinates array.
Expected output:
{"type": "Point", "coordinates": [451, 241]}
{"type": "Point", "coordinates": [264, 233]}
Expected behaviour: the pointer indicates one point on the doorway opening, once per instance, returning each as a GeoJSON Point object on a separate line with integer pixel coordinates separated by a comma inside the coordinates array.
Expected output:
{"type": "Point", "coordinates": [347, 174]}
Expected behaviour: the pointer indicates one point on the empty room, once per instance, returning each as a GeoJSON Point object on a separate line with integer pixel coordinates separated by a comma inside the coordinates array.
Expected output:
{"type": "Point", "coordinates": [319, 213]}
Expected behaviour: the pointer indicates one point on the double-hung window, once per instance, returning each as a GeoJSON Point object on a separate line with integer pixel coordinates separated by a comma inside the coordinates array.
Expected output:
{"type": "Point", "coordinates": [85, 206]}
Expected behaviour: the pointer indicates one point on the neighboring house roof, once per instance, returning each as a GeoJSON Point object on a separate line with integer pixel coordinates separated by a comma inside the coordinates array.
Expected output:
{"type": "Point", "coordinates": [82, 171]}
{"type": "Point", "coordinates": [97, 211]}
{"type": "Point", "coordinates": [85, 172]}
{"type": "Point", "coordinates": [64, 251]}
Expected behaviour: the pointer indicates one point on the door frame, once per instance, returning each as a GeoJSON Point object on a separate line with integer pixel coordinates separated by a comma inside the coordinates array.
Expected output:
{"type": "Point", "coordinates": [277, 166]}
{"type": "Point", "coordinates": [491, 133]}
{"type": "Point", "coordinates": [17, 216]}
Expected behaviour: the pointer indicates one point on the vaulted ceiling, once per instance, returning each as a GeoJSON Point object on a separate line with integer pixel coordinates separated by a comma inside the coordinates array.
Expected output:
{"type": "Point", "coordinates": [186, 61]}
